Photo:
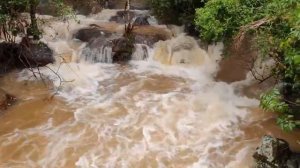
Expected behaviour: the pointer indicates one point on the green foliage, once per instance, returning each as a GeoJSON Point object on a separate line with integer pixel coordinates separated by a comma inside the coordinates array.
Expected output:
{"type": "Point", "coordinates": [62, 9]}
{"type": "Point", "coordinates": [12, 24]}
{"type": "Point", "coordinates": [287, 122]}
{"type": "Point", "coordinates": [273, 101]}
{"type": "Point", "coordinates": [274, 24]}
{"type": "Point", "coordinates": [176, 11]}
{"type": "Point", "coordinates": [218, 19]}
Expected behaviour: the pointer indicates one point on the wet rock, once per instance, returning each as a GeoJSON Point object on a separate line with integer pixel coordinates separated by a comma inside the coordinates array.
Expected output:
{"type": "Point", "coordinates": [275, 153]}
{"type": "Point", "coordinates": [122, 49]}
{"type": "Point", "coordinates": [6, 100]}
{"type": "Point", "coordinates": [122, 17]}
{"type": "Point", "coordinates": [294, 161]}
{"type": "Point", "coordinates": [98, 50]}
{"type": "Point", "coordinates": [141, 20]}
{"type": "Point", "coordinates": [19, 56]}
{"type": "Point", "coordinates": [149, 40]}
{"type": "Point", "coordinates": [241, 58]}
{"type": "Point", "coordinates": [88, 34]}
{"type": "Point", "coordinates": [134, 4]}
{"type": "Point", "coordinates": [38, 55]}
{"type": "Point", "coordinates": [191, 30]}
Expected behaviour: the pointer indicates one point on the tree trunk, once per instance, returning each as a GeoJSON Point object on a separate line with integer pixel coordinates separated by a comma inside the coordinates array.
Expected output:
{"type": "Point", "coordinates": [34, 30]}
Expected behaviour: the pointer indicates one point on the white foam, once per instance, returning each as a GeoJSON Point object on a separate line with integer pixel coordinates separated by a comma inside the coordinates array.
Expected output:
{"type": "Point", "coordinates": [142, 113]}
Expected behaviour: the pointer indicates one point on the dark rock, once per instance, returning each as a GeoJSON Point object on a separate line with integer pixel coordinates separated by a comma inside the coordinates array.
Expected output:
{"type": "Point", "coordinates": [134, 4]}
{"type": "Point", "coordinates": [38, 55]}
{"type": "Point", "coordinates": [122, 17]}
{"type": "Point", "coordinates": [294, 161]}
{"type": "Point", "coordinates": [275, 153]}
{"type": "Point", "coordinates": [149, 40]}
{"type": "Point", "coordinates": [97, 50]}
{"type": "Point", "coordinates": [141, 20]}
{"type": "Point", "coordinates": [19, 56]}
{"type": "Point", "coordinates": [240, 58]}
{"type": "Point", "coordinates": [122, 49]}
{"type": "Point", "coordinates": [6, 100]}
{"type": "Point", "coordinates": [88, 34]}
{"type": "Point", "coordinates": [191, 30]}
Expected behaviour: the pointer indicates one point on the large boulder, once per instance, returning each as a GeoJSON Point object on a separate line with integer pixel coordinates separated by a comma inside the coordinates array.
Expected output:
{"type": "Point", "coordinates": [236, 66]}
{"type": "Point", "coordinates": [122, 17]}
{"type": "Point", "coordinates": [275, 153]}
{"type": "Point", "coordinates": [141, 20]}
{"type": "Point", "coordinates": [90, 33]}
{"type": "Point", "coordinates": [5, 100]}
{"type": "Point", "coordinates": [122, 49]}
{"type": "Point", "coordinates": [97, 50]}
{"type": "Point", "coordinates": [19, 56]}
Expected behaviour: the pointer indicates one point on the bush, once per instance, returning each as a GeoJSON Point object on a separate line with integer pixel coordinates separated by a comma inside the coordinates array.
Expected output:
{"type": "Point", "coordinates": [275, 26]}
{"type": "Point", "coordinates": [180, 12]}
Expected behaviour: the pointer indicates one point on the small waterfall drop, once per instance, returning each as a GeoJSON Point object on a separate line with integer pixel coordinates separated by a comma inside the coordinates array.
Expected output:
{"type": "Point", "coordinates": [180, 50]}
{"type": "Point", "coordinates": [102, 54]}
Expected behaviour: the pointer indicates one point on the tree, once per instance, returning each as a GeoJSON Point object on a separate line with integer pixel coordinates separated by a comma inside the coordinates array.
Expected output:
{"type": "Point", "coordinates": [180, 12]}
{"type": "Point", "coordinates": [12, 23]}
{"type": "Point", "coordinates": [274, 24]}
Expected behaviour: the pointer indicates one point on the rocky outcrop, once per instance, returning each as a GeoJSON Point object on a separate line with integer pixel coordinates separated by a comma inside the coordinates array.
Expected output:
{"type": "Point", "coordinates": [6, 100]}
{"type": "Point", "coordinates": [275, 153]}
{"type": "Point", "coordinates": [141, 20]}
{"type": "Point", "coordinates": [122, 17]}
{"type": "Point", "coordinates": [106, 42]}
{"type": "Point", "coordinates": [237, 62]}
{"type": "Point", "coordinates": [90, 33]}
{"type": "Point", "coordinates": [126, 16]}
{"type": "Point", "coordinates": [122, 49]}
{"type": "Point", "coordinates": [19, 56]}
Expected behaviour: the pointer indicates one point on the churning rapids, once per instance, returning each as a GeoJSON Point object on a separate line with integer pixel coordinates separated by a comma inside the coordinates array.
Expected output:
{"type": "Point", "coordinates": [163, 111]}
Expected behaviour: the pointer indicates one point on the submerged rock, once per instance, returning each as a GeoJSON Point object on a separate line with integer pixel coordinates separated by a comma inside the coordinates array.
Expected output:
{"type": "Point", "coordinates": [275, 153]}
{"type": "Point", "coordinates": [5, 100]}
{"type": "Point", "coordinates": [19, 56]}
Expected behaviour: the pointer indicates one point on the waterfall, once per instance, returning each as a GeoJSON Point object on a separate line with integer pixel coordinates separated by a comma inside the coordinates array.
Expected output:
{"type": "Point", "coordinates": [102, 54]}
{"type": "Point", "coordinates": [161, 109]}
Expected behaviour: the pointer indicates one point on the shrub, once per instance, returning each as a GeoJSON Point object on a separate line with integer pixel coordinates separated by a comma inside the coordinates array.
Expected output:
{"type": "Point", "coordinates": [275, 26]}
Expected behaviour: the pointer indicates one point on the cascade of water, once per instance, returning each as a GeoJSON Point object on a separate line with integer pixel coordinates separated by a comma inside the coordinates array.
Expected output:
{"type": "Point", "coordinates": [101, 54]}
{"type": "Point", "coordinates": [136, 115]}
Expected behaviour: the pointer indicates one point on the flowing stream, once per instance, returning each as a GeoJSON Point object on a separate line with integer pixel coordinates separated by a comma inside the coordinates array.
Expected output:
{"type": "Point", "coordinates": [162, 110]}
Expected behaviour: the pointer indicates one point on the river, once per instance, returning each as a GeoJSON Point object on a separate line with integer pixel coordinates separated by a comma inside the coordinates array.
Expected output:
{"type": "Point", "coordinates": [161, 111]}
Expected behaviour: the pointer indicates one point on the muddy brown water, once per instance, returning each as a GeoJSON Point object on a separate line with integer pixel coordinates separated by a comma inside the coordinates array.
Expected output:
{"type": "Point", "coordinates": [39, 131]}
{"type": "Point", "coordinates": [147, 113]}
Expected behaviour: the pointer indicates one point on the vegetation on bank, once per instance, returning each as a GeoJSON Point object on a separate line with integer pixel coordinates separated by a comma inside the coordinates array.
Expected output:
{"type": "Point", "coordinates": [275, 26]}
{"type": "Point", "coordinates": [181, 12]}
{"type": "Point", "coordinates": [12, 23]}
